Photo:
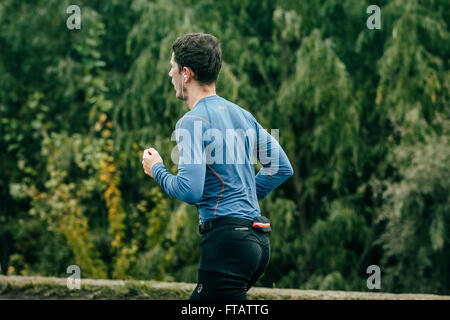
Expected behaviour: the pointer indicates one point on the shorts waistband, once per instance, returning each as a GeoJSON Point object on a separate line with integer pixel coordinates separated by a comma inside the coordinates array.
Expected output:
{"type": "Point", "coordinates": [208, 225]}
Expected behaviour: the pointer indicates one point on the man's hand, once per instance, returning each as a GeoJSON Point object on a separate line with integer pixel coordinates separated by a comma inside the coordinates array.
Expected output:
{"type": "Point", "coordinates": [149, 158]}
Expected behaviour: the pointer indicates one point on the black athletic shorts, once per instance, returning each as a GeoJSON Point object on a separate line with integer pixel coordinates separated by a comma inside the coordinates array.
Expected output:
{"type": "Point", "coordinates": [233, 257]}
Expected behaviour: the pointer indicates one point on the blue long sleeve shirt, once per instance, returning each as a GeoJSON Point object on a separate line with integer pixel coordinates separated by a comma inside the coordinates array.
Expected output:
{"type": "Point", "coordinates": [218, 142]}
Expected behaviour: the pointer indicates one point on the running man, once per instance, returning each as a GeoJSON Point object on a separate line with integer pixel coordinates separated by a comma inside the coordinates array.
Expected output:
{"type": "Point", "coordinates": [218, 180]}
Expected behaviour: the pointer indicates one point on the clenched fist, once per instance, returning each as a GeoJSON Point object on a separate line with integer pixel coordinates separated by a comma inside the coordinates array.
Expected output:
{"type": "Point", "coordinates": [149, 158]}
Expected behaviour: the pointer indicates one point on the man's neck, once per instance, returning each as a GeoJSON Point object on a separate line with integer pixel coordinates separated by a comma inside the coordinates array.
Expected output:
{"type": "Point", "coordinates": [200, 93]}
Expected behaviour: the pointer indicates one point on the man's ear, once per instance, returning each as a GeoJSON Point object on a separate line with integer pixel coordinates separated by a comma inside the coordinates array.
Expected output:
{"type": "Point", "coordinates": [188, 72]}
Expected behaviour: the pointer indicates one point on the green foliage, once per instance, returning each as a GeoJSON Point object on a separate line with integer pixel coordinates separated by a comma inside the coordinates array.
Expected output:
{"type": "Point", "coordinates": [363, 117]}
{"type": "Point", "coordinates": [417, 217]}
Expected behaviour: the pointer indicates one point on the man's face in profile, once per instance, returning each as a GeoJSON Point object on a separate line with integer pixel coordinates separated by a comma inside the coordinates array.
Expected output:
{"type": "Point", "coordinates": [177, 78]}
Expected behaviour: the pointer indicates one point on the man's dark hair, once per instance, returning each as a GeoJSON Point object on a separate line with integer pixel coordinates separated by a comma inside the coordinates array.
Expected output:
{"type": "Point", "coordinates": [202, 53]}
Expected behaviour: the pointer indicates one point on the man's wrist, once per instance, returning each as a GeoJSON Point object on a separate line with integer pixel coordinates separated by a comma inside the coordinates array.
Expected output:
{"type": "Point", "coordinates": [155, 168]}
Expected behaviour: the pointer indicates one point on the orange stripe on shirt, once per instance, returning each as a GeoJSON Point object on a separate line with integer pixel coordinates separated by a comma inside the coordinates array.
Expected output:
{"type": "Point", "coordinates": [223, 186]}
{"type": "Point", "coordinates": [188, 115]}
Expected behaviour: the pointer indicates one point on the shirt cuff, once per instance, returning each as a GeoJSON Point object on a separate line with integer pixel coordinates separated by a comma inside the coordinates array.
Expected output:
{"type": "Point", "coordinates": [156, 169]}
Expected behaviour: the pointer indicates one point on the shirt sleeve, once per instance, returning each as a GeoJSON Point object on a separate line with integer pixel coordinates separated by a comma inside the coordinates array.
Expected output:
{"type": "Point", "coordinates": [276, 167]}
{"type": "Point", "coordinates": [188, 184]}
